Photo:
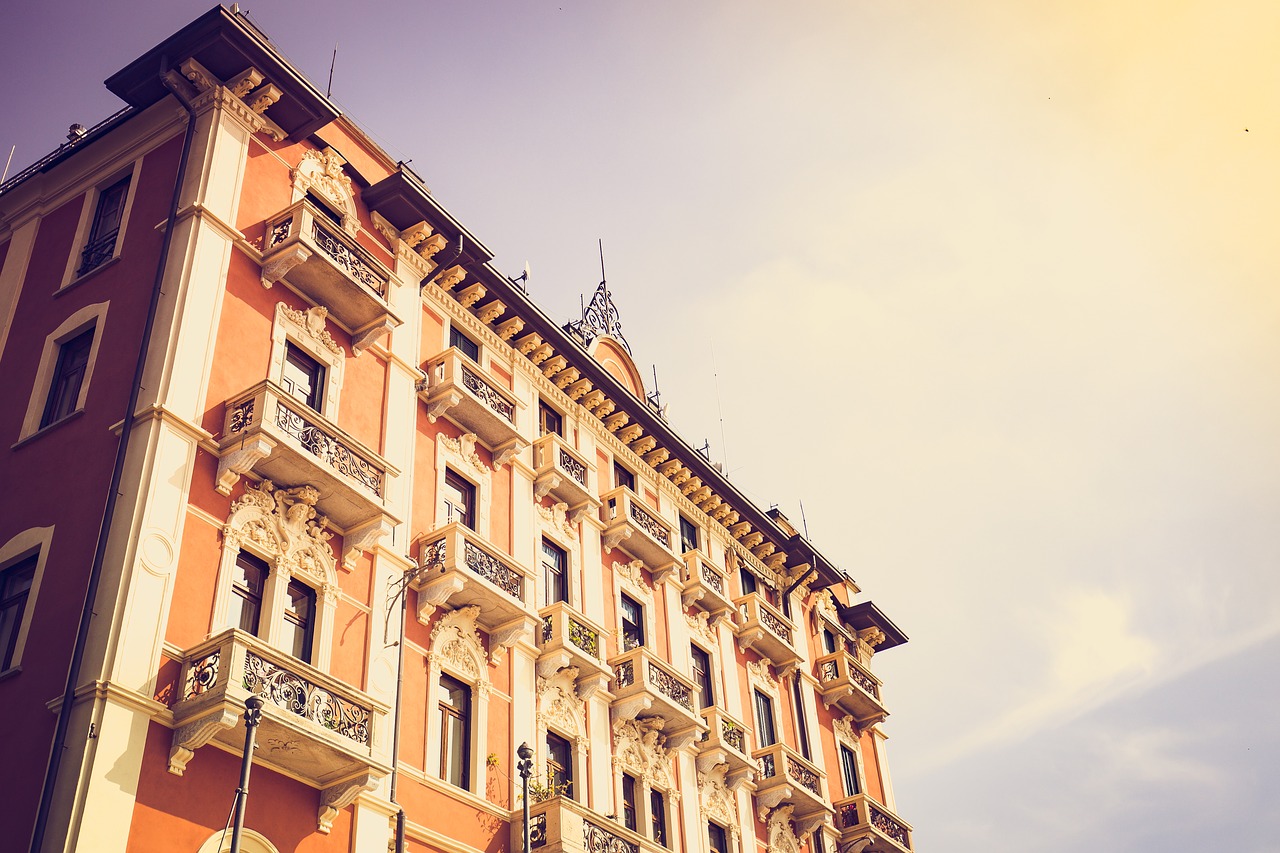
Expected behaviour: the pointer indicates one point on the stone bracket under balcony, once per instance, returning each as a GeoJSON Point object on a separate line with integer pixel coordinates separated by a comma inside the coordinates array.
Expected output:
{"type": "Point", "coordinates": [318, 258]}
{"type": "Point", "coordinates": [314, 727]}
{"type": "Point", "coordinates": [458, 568]}
{"type": "Point", "coordinates": [568, 639]}
{"type": "Point", "coordinates": [706, 586]}
{"type": "Point", "coordinates": [866, 826]}
{"type": "Point", "coordinates": [726, 741]}
{"type": "Point", "coordinates": [459, 388]}
{"type": "Point", "coordinates": [268, 433]}
{"type": "Point", "coordinates": [561, 472]}
{"type": "Point", "coordinates": [764, 630]}
{"type": "Point", "coordinates": [846, 683]}
{"type": "Point", "coordinates": [785, 776]}
{"type": "Point", "coordinates": [639, 530]}
{"type": "Point", "coordinates": [645, 684]}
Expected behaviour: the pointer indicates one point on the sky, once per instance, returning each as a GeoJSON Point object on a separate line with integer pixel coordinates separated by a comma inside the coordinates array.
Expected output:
{"type": "Point", "coordinates": [983, 294]}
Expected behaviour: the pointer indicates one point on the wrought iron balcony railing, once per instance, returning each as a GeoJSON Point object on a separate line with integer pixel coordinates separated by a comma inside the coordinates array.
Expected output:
{"type": "Point", "coordinates": [457, 567]}
{"type": "Point", "coordinates": [570, 639]}
{"type": "Point", "coordinates": [704, 585]}
{"type": "Point", "coordinates": [337, 731]}
{"type": "Point", "coordinates": [860, 818]}
{"type": "Point", "coordinates": [786, 776]}
{"type": "Point", "coordinates": [268, 432]}
{"type": "Point", "coordinates": [562, 824]}
{"type": "Point", "coordinates": [314, 255]}
{"type": "Point", "coordinates": [763, 628]}
{"type": "Point", "coordinates": [644, 683]}
{"type": "Point", "coordinates": [563, 473]}
{"type": "Point", "coordinates": [638, 529]}
{"type": "Point", "coordinates": [845, 682]}
{"type": "Point", "coordinates": [458, 388]}
{"type": "Point", "coordinates": [726, 741]}
{"type": "Point", "coordinates": [98, 252]}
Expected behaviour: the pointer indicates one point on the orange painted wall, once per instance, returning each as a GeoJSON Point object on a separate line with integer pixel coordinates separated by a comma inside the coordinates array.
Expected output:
{"type": "Point", "coordinates": [194, 583]}
{"type": "Point", "coordinates": [871, 767]}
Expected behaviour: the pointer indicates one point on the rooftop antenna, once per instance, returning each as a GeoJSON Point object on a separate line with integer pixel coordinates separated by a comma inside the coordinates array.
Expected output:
{"type": "Point", "coordinates": [524, 277]}
{"type": "Point", "coordinates": [803, 522]}
{"type": "Point", "coordinates": [715, 378]}
{"type": "Point", "coordinates": [705, 449]}
{"type": "Point", "coordinates": [329, 91]}
{"type": "Point", "coordinates": [603, 280]}
{"type": "Point", "coordinates": [654, 397]}
{"type": "Point", "coordinates": [7, 164]}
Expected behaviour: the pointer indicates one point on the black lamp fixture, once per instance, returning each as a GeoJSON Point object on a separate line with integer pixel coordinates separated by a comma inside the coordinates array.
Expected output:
{"type": "Point", "coordinates": [525, 767]}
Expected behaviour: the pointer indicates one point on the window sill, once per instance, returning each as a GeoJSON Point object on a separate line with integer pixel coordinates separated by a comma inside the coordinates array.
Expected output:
{"type": "Point", "coordinates": [11, 672]}
{"type": "Point", "coordinates": [46, 429]}
{"type": "Point", "coordinates": [83, 277]}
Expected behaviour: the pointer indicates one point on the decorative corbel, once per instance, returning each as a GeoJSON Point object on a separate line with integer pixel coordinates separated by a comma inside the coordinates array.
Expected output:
{"type": "Point", "coordinates": [371, 334]}
{"type": "Point", "coordinates": [612, 540]}
{"type": "Point", "coordinates": [187, 739]}
{"type": "Point", "coordinates": [337, 797]}
{"type": "Point", "coordinates": [469, 296]}
{"type": "Point", "coordinates": [278, 267]}
{"type": "Point", "coordinates": [508, 634]}
{"type": "Point", "coordinates": [233, 464]}
{"type": "Point", "coordinates": [245, 82]}
{"type": "Point", "coordinates": [510, 328]}
{"type": "Point", "coordinates": [505, 452]}
{"type": "Point", "coordinates": [491, 312]}
{"type": "Point", "coordinates": [361, 539]}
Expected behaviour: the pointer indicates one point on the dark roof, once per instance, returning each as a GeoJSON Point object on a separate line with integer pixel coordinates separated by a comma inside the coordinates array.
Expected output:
{"type": "Point", "coordinates": [866, 615]}
{"type": "Point", "coordinates": [226, 44]}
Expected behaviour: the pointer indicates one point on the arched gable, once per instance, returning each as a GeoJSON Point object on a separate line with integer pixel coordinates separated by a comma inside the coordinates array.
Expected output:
{"type": "Point", "coordinates": [614, 358]}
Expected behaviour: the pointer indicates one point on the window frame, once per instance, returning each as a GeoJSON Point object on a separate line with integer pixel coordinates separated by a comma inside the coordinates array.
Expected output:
{"type": "Point", "coordinates": [548, 598]}
{"type": "Point", "coordinates": [723, 847]}
{"type": "Point", "coordinates": [90, 317]}
{"type": "Point", "coordinates": [560, 771]}
{"type": "Point", "coordinates": [639, 626]}
{"type": "Point", "coordinates": [630, 807]}
{"type": "Point", "coordinates": [708, 674]}
{"type": "Point", "coordinates": [304, 363]}
{"type": "Point", "coordinates": [289, 617]}
{"type": "Point", "coordinates": [72, 274]}
{"type": "Point", "coordinates": [760, 719]}
{"type": "Point", "coordinates": [464, 343]}
{"type": "Point", "coordinates": [623, 476]}
{"type": "Point", "coordinates": [65, 374]}
{"type": "Point", "coordinates": [445, 507]}
{"type": "Point", "coordinates": [689, 529]}
{"type": "Point", "coordinates": [850, 771]}
{"type": "Point", "coordinates": [250, 560]}
{"type": "Point", "coordinates": [659, 823]}
{"type": "Point", "coordinates": [32, 543]}
{"type": "Point", "coordinates": [463, 717]}
{"type": "Point", "coordinates": [306, 330]}
{"type": "Point", "coordinates": [548, 416]}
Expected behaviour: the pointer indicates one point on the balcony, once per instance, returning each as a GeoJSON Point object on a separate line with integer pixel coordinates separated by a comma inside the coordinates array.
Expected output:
{"type": "Point", "coordinates": [725, 742]}
{"type": "Point", "coordinates": [561, 824]}
{"type": "Point", "coordinates": [456, 567]}
{"type": "Point", "coordinates": [785, 776]}
{"type": "Point", "coordinates": [561, 472]}
{"type": "Point", "coordinates": [314, 727]}
{"type": "Point", "coordinates": [645, 684]}
{"type": "Point", "coordinates": [267, 432]}
{"type": "Point", "coordinates": [875, 829]}
{"type": "Point", "coordinates": [765, 630]}
{"type": "Point", "coordinates": [458, 386]}
{"type": "Point", "coordinates": [705, 585]}
{"type": "Point", "coordinates": [638, 529]}
{"type": "Point", "coordinates": [327, 265]}
{"type": "Point", "coordinates": [570, 639]}
{"type": "Point", "coordinates": [847, 683]}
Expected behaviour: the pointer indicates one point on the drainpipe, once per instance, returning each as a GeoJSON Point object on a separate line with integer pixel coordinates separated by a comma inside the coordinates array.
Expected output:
{"type": "Point", "coordinates": [786, 596]}
{"type": "Point", "coordinates": [441, 267]}
{"type": "Point", "coordinates": [117, 474]}
{"type": "Point", "coordinates": [395, 726]}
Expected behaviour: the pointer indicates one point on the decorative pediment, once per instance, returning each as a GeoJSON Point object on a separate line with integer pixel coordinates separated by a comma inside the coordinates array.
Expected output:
{"type": "Point", "coordinates": [559, 706]}
{"type": "Point", "coordinates": [759, 671]}
{"type": "Point", "coordinates": [282, 524]}
{"type": "Point", "coordinates": [312, 323]}
{"type": "Point", "coordinates": [846, 729]}
{"type": "Point", "coordinates": [700, 624]}
{"type": "Point", "coordinates": [556, 517]}
{"type": "Point", "coordinates": [465, 447]}
{"type": "Point", "coordinates": [456, 645]}
{"type": "Point", "coordinates": [632, 573]}
{"type": "Point", "coordinates": [321, 172]}
{"type": "Point", "coordinates": [639, 747]}
{"type": "Point", "coordinates": [717, 798]}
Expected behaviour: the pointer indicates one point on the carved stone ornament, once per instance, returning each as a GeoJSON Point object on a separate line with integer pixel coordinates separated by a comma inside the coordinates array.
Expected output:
{"type": "Point", "coordinates": [283, 524]}
{"type": "Point", "coordinates": [321, 171]}
{"type": "Point", "coordinates": [759, 670]}
{"type": "Point", "coordinates": [337, 797]}
{"type": "Point", "coordinates": [456, 644]}
{"type": "Point", "coordinates": [640, 748]}
{"type": "Point", "coordinates": [559, 707]}
{"type": "Point", "coordinates": [701, 625]}
{"type": "Point", "coordinates": [782, 838]}
{"type": "Point", "coordinates": [465, 446]}
{"type": "Point", "coordinates": [312, 321]}
{"type": "Point", "coordinates": [825, 606]}
{"type": "Point", "coordinates": [633, 573]}
{"type": "Point", "coordinates": [845, 728]}
{"type": "Point", "coordinates": [555, 516]}
{"type": "Point", "coordinates": [717, 799]}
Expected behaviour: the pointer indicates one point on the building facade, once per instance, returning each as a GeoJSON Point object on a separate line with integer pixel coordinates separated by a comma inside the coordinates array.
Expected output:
{"type": "Point", "coordinates": [277, 426]}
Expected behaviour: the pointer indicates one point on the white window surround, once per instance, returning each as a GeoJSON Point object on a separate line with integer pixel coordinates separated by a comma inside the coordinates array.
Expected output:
{"type": "Point", "coordinates": [90, 316]}
{"type": "Point", "coordinates": [459, 456]}
{"type": "Point", "coordinates": [33, 540]}
{"type": "Point", "coordinates": [719, 804]}
{"type": "Point", "coordinates": [306, 330]}
{"type": "Point", "coordinates": [759, 678]}
{"type": "Point", "coordinates": [561, 712]}
{"type": "Point", "coordinates": [267, 523]}
{"type": "Point", "coordinates": [846, 733]}
{"type": "Point", "coordinates": [628, 578]}
{"type": "Point", "coordinates": [321, 172]}
{"type": "Point", "coordinates": [457, 651]}
{"type": "Point", "coordinates": [87, 212]}
{"type": "Point", "coordinates": [554, 527]}
{"type": "Point", "coordinates": [639, 750]}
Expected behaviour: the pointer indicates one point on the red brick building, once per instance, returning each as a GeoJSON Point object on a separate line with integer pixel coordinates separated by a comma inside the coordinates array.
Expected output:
{"type": "Point", "coordinates": [264, 395]}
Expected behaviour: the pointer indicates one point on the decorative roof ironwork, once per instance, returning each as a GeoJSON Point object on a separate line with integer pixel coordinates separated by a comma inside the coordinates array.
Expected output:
{"type": "Point", "coordinates": [599, 317]}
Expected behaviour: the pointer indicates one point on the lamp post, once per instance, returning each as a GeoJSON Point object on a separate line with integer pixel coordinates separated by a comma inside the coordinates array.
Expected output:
{"type": "Point", "coordinates": [252, 716]}
{"type": "Point", "coordinates": [525, 767]}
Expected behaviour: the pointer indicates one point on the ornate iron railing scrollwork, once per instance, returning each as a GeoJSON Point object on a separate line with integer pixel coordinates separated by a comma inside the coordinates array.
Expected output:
{"type": "Point", "coordinates": [202, 674]}
{"type": "Point", "coordinates": [597, 839]}
{"type": "Point", "coordinates": [295, 694]}
{"type": "Point", "coordinates": [650, 524]}
{"type": "Point", "coordinates": [325, 447]}
{"type": "Point", "coordinates": [624, 674]}
{"type": "Point", "coordinates": [494, 570]}
{"type": "Point", "coordinates": [804, 776]}
{"type": "Point", "coordinates": [712, 579]}
{"type": "Point", "coordinates": [732, 734]}
{"type": "Point", "coordinates": [774, 624]}
{"type": "Point", "coordinates": [280, 231]}
{"type": "Point", "coordinates": [538, 830]}
{"type": "Point", "coordinates": [670, 687]}
{"type": "Point", "coordinates": [432, 555]}
{"type": "Point", "coordinates": [98, 252]}
{"type": "Point", "coordinates": [863, 680]}
{"type": "Point", "coordinates": [488, 395]}
{"type": "Point", "coordinates": [576, 469]}
{"type": "Point", "coordinates": [546, 629]}
{"type": "Point", "coordinates": [848, 815]}
{"type": "Point", "coordinates": [829, 671]}
{"type": "Point", "coordinates": [889, 826]}
{"type": "Point", "coordinates": [241, 416]}
{"type": "Point", "coordinates": [767, 768]}
{"type": "Point", "coordinates": [584, 638]}
{"type": "Point", "coordinates": [347, 258]}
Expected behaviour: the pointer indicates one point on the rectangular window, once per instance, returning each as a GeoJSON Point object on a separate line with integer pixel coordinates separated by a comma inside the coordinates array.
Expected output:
{"type": "Point", "coordinates": [702, 677]}
{"type": "Point", "coordinates": [629, 802]}
{"type": "Point", "coordinates": [101, 245]}
{"type": "Point", "coordinates": [828, 640]}
{"type": "Point", "coordinates": [323, 206]}
{"type": "Point", "coordinates": [802, 720]}
{"type": "Point", "coordinates": [68, 378]}
{"type": "Point", "coordinates": [748, 580]}
{"type": "Point", "coordinates": [765, 733]}
{"type": "Point", "coordinates": [555, 574]}
{"type": "Point", "coordinates": [658, 816]}
{"type": "Point", "coordinates": [559, 765]}
{"type": "Point", "coordinates": [299, 619]}
{"type": "Point", "coordinates": [549, 420]}
{"type": "Point", "coordinates": [455, 732]}
{"type": "Point", "coordinates": [302, 377]}
{"type": "Point", "coordinates": [458, 503]}
{"type": "Point", "coordinates": [849, 771]}
{"type": "Point", "coordinates": [15, 586]}
{"type": "Point", "coordinates": [623, 477]}
{"type": "Point", "coordinates": [718, 837]}
{"type": "Point", "coordinates": [688, 535]}
{"type": "Point", "coordinates": [632, 624]}
{"type": "Point", "coordinates": [465, 345]}
{"type": "Point", "coordinates": [246, 593]}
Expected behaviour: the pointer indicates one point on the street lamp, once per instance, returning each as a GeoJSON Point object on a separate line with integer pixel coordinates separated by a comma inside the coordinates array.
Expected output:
{"type": "Point", "coordinates": [525, 767]}
{"type": "Point", "coordinates": [252, 716]}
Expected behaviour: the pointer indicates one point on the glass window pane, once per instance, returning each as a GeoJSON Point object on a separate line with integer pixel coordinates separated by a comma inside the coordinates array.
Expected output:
{"type": "Point", "coordinates": [465, 345]}
{"type": "Point", "coordinates": [764, 720]}
{"type": "Point", "coordinates": [68, 377]}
